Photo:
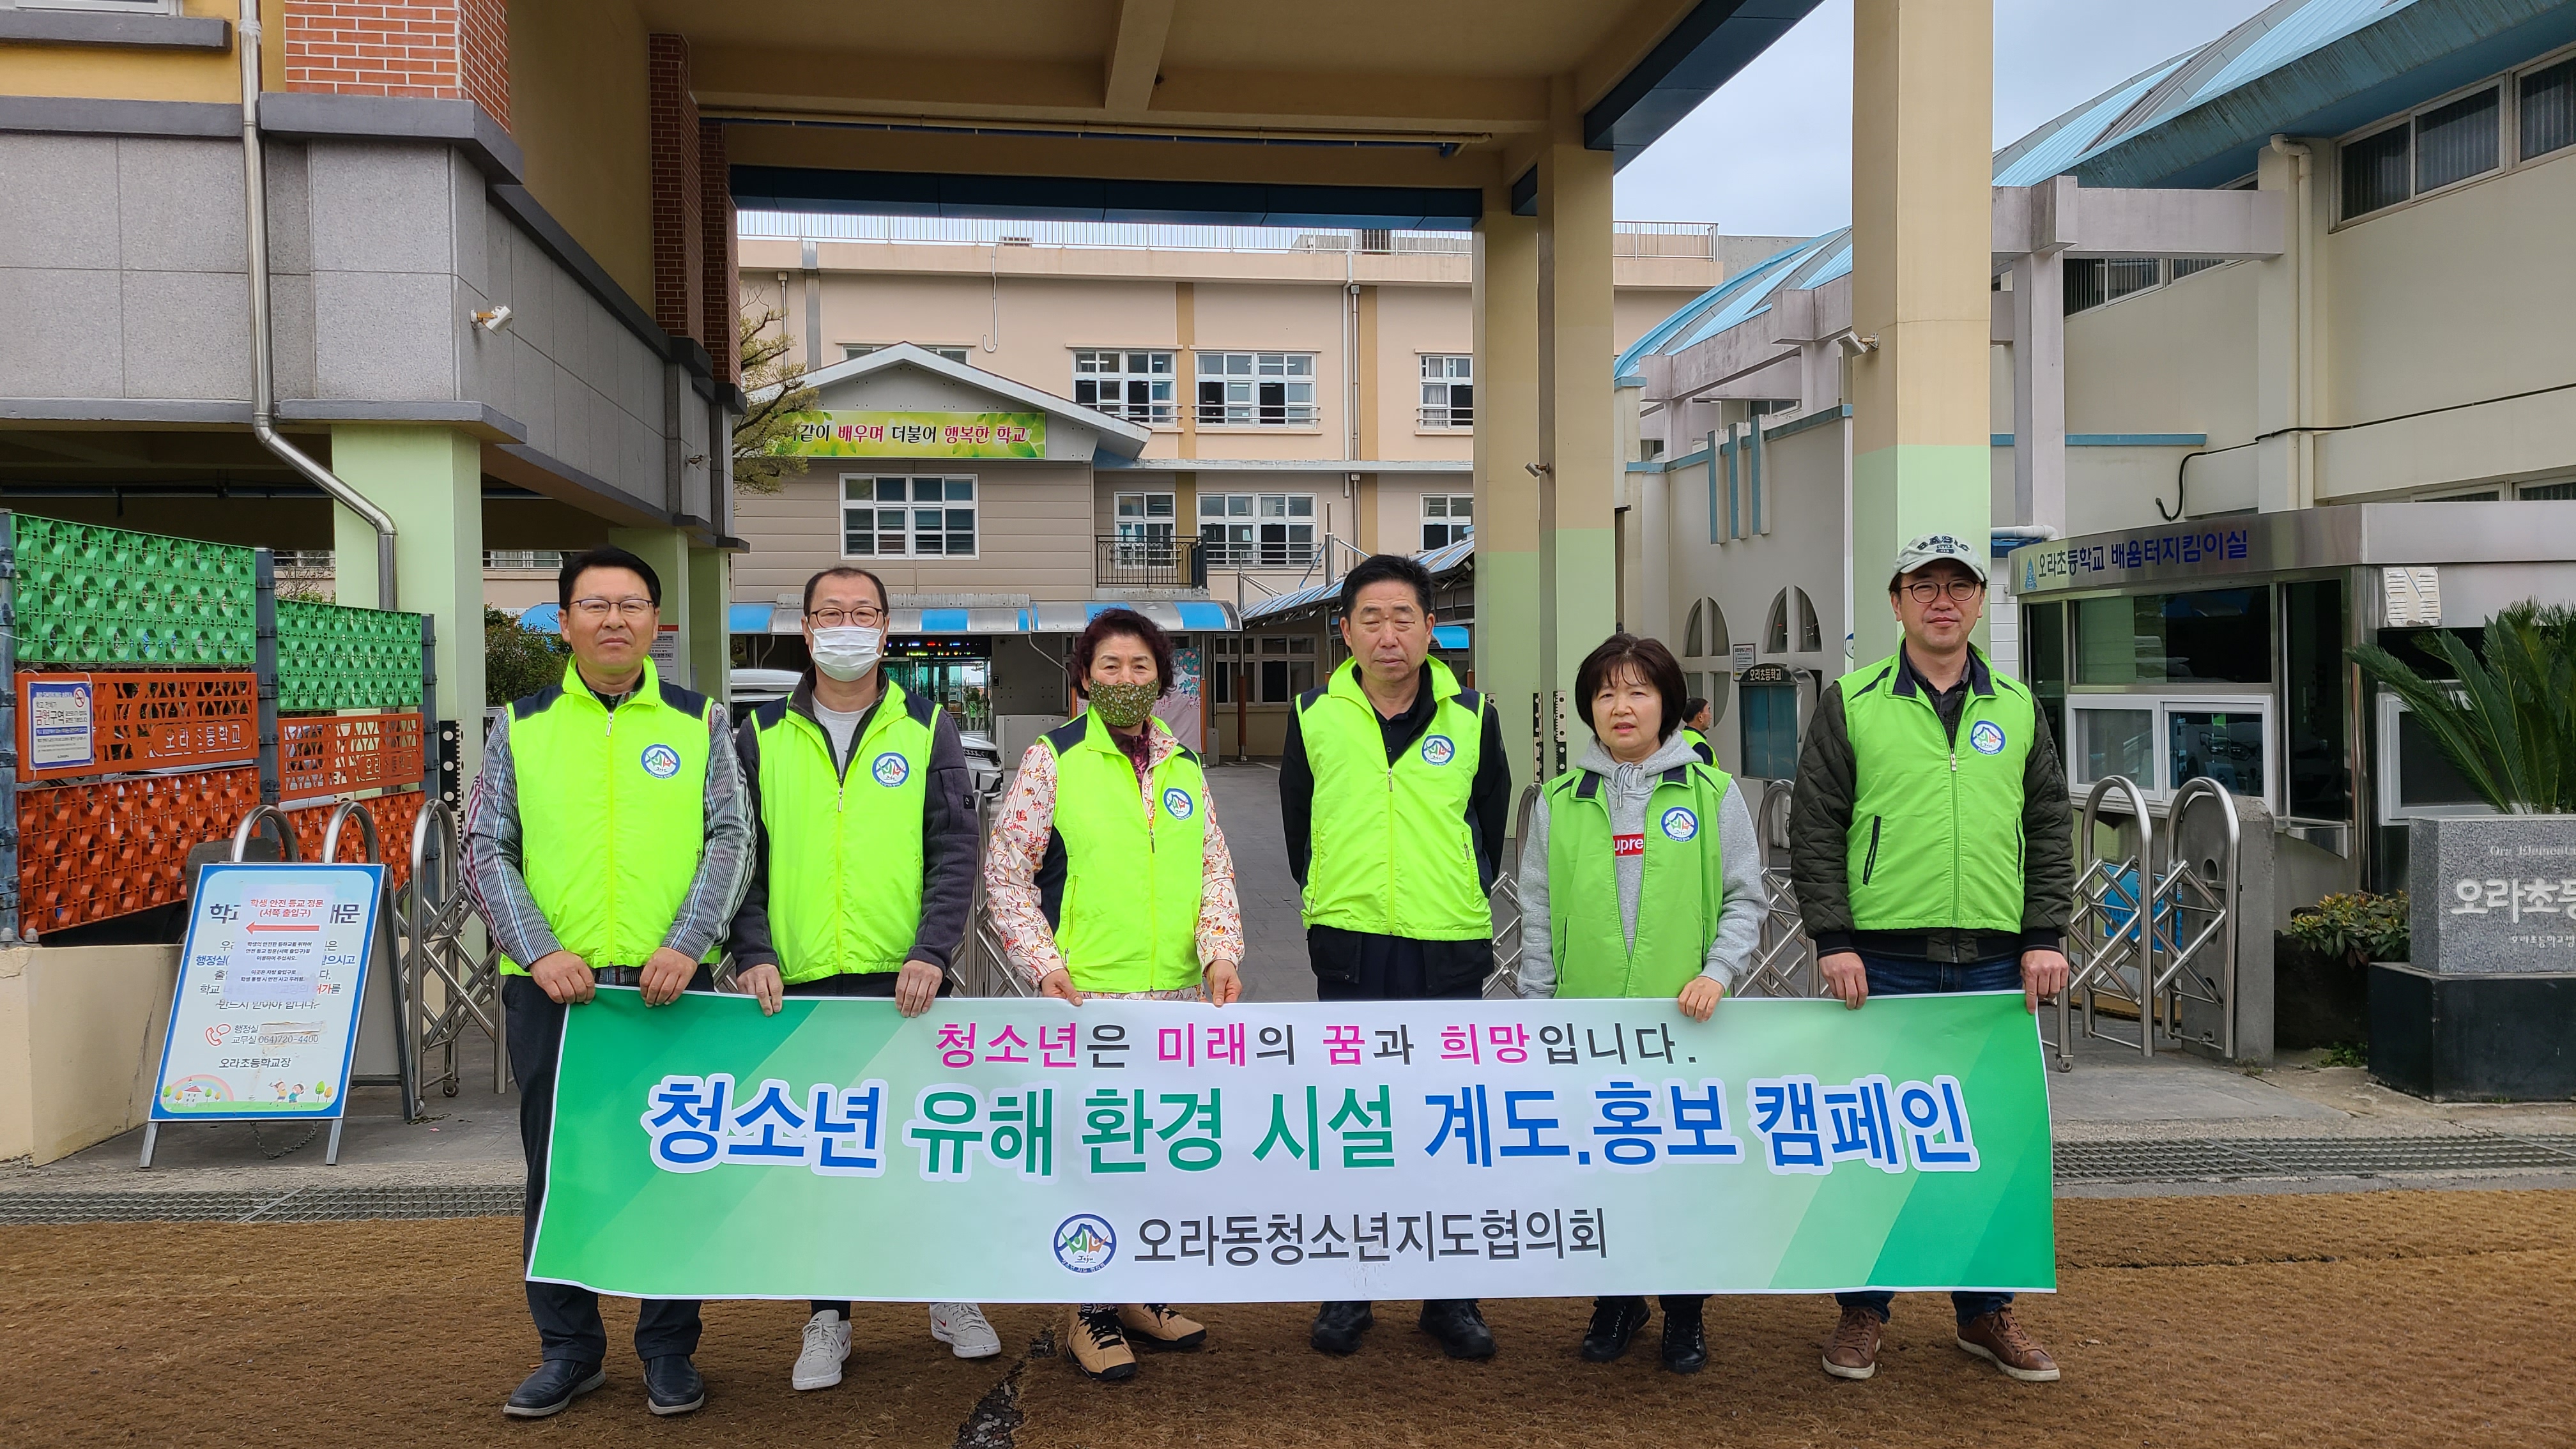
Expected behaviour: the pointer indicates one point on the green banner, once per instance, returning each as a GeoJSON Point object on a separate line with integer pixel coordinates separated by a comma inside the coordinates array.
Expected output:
{"type": "Point", "coordinates": [1029, 1151]}
{"type": "Point", "coordinates": [841, 434]}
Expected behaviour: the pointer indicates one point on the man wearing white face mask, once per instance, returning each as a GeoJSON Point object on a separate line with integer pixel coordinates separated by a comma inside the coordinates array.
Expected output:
{"type": "Point", "coordinates": [864, 865]}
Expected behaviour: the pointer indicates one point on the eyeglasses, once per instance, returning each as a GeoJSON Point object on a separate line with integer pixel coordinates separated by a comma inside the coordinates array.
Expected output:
{"type": "Point", "coordinates": [595, 609]}
{"type": "Point", "coordinates": [864, 617]}
{"type": "Point", "coordinates": [1924, 591]}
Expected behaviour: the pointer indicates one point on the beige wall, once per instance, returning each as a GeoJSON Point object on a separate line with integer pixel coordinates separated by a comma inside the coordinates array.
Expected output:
{"type": "Point", "coordinates": [1034, 529]}
{"type": "Point", "coordinates": [580, 111]}
{"type": "Point", "coordinates": [80, 1043]}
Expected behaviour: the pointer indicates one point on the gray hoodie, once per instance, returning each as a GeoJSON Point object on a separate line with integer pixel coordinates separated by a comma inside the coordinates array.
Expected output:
{"type": "Point", "coordinates": [1739, 925]}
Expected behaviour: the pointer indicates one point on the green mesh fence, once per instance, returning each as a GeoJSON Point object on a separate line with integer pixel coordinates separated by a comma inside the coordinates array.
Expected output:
{"type": "Point", "coordinates": [331, 657]}
{"type": "Point", "coordinates": [93, 595]}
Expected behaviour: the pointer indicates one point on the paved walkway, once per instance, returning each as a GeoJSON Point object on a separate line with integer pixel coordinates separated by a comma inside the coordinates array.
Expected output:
{"type": "Point", "coordinates": [2120, 1107]}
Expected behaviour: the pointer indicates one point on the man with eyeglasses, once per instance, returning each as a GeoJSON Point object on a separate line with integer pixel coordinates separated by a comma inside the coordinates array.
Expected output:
{"type": "Point", "coordinates": [606, 843]}
{"type": "Point", "coordinates": [863, 867]}
{"type": "Point", "coordinates": [1931, 850]}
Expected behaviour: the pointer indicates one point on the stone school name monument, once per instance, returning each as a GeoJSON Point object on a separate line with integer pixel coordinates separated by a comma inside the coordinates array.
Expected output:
{"type": "Point", "coordinates": [2487, 1008]}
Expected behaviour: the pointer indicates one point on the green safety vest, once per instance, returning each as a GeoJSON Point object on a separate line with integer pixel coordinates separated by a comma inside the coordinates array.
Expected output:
{"type": "Point", "coordinates": [1936, 833]}
{"type": "Point", "coordinates": [1125, 907]}
{"type": "Point", "coordinates": [1698, 741]}
{"type": "Point", "coordinates": [1392, 850]}
{"type": "Point", "coordinates": [845, 857]}
{"type": "Point", "coordinates": [612, 812]}
{"type": "Point", "coordinates": [1679, 898]}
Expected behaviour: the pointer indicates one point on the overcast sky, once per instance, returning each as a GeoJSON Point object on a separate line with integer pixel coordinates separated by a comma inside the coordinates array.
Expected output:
{"type": "Point", "coordinates": [1770, 153]}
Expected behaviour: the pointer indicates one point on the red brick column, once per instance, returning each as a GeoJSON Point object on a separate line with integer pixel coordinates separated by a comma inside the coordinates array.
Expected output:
{"type": "Point", "coordinates": [679, 201]}
{"type": "Point", "coordinates": [720, 266]}
{"type": "Point", "coordinates": [438, 49]}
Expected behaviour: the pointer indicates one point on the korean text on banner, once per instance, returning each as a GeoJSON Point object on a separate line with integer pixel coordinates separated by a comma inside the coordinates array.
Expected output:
{"type": "Point", "coordinates": [846, 434]}
{"type": "Point", "coordinates": [1029, 1151]}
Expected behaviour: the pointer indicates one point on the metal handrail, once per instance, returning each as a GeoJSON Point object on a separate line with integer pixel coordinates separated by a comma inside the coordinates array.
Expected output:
{"type": "Point", "coordinates": [366, 819]}
{"type": "Point", "coordinates": [249, 823]}
{"type": "Point", "coordinates": [437, 912]}
{"type": "Point", "coordinates": [1784, 948]}
{"type": "Point", "coordinates": [2095, 966]}
{"type": "Point", "coordinates": [2217, 902]}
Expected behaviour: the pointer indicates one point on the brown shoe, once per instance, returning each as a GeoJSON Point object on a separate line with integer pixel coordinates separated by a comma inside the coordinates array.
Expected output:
{"type": "Point", "coordinates": [1155, 1325]}
{"type": "Point", "coordinates": [1996, 1337]}
{"type": "Point", "coordinates": [1853, 1354]}
{"type": "Point", "coordinates": [1098, 1347]}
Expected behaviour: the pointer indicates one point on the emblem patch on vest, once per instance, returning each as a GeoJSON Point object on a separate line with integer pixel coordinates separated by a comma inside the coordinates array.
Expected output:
{"type": "Point", "coordinates": [661, 761]}
{"type": "Point", "coordinates": [891, 769]}
{"type": "Point", "coordinates": [1085, 1242]}
{"type": "Point", "coordinates": [1439, 750]}
{"type": "Point", "coordinates": [1178, 801]}
{"type": "Point", "coordinates": [1680, 823]}
{"type": "Point", "coordinates": [1986, 737]}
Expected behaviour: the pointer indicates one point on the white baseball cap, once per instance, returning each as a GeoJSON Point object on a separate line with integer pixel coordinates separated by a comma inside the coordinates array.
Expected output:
{"type": "Point", "coordinates": [1931, 548]}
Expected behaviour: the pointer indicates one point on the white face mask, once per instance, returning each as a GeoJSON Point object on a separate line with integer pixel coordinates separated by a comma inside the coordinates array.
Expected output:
{"type": "Point", "coordinates": [847, 651]}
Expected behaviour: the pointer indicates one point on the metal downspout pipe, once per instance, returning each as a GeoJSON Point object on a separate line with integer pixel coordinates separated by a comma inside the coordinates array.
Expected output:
{"type": "Point", "coordinates": [263, 396]}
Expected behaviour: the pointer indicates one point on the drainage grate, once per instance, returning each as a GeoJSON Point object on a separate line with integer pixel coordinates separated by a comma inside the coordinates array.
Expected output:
{"type": "Point", "coordinates": [2188, 1160]}
{"type": "Point", "coordinates": [299, 1205]}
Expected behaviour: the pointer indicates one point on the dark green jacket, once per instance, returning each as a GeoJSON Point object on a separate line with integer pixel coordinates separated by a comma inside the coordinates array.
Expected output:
{"type": "Point", "coordinates": [1820, 823]}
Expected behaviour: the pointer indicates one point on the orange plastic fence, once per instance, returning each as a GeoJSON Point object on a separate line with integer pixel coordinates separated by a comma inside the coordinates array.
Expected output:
{"type": "Point", "coordinates": [324, 755]}
{"type": "Point", "coordinates": [137, 721]}
{"type": "Point", "coordinates": [394, 817]}
{"type": "Point", "coordinates": [89, 852]}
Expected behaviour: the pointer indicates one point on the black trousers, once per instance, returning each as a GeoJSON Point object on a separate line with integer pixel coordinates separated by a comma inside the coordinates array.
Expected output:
{"type": "Point", "coordinates": [878, 984]}
{"type": "Point", "coordinates": [567, 1317]}
{"type": "Point", "coordinates": [1358, 966]}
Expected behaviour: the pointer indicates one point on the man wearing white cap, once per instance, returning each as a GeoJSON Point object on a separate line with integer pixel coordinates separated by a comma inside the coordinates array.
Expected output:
{"type": "Point", "coordinates": [1931, 851]}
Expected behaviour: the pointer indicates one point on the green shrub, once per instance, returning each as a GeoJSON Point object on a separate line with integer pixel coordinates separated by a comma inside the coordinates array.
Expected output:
{"type": "Point", "coordinates": [2509, 724]}
{"type": "Point", "coordinates": [2358, 927]}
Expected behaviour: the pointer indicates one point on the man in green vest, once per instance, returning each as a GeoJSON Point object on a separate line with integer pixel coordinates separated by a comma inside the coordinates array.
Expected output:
{"type": "Point", "coordinates": [1697, 720]}
{"type": "Point", "coordinates": [1930, 851]}
{"type": "Point", "coordinates": [864, 863]}
{"type": "Point", "coordinates": [1395, 796]}
{"type": "Point", "coordinates": [606, 843]}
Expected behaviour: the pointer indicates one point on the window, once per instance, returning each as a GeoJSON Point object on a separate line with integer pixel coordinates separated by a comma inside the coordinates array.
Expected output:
{"type": "Point", "coordinates": [2320, 777]}
{"type": "Point", "coordinates": [1136, 386]}
{"type": "Point", "coordinates": [908, 517]}
{"type": "Point", "coordinates": [548, 559]}
{"type": "Point", "coordinates": [1257, 389]}
{"type": "Point", "coordinates": [2159, 743]}
{"type": "Point", "coordinates": [2546, 490]}
{"type": "Point", "coordinates": [1811, 630]}
{"type": "Point", "coordinates": [2374, 172]}
{"type": "Point", "coordinates": [1447, 518]}
{"type": "Point", "coordinates": [2093, 281]}
{"type": "Point", "coordinates": [1448, 390]}
{"type": "Point", "coordinates": [1769, 725]}
{"type": "Point", "coordinates": [1145, 525]}
{"type": "Point", "coordinates": [1705, 652]}
{"type": "Point", "coordinates": [2221, 635]}
{"type": "Point", "coordinates": [1265, 530]}
{"type": "Point", "coordinates": [2548, 110]}
{"type": "Point", "coordinates": [1277, 667]}
{"type": "Point", "coordinates": [862, 349]}
{"type": "Point", "coordinates": [2186, 266]}
{"type": "Point", "coordinates": [1775, 630]}
{"type": "Point", "coordinates": [2457, 141]}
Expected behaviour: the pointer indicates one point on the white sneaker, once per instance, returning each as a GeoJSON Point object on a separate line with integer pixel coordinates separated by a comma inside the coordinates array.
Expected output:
{"type": "Point", "coordinates": [962, 1326]}
{"type": "Point", "coordinates": [827, 1342]}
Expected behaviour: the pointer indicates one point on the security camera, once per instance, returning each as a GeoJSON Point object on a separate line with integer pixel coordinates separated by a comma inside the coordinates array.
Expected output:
{"type": "Point", "coordinates": [493, 319]}
{"type": "Point", "coordinates": [1538, 470]}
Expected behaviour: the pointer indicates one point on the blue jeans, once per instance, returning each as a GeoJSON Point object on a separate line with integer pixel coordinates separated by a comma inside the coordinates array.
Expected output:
{"type": "Point", "coordinates": [1892, 976]}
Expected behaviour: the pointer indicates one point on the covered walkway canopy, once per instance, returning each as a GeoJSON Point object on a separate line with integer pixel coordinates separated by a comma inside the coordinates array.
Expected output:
{"type": "Point", "coordinates": [1506, 118]}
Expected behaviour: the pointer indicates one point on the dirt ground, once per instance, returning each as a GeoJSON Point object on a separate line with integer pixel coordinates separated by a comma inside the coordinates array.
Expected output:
{"type": "Point", "coordinates": [2366, 1319]}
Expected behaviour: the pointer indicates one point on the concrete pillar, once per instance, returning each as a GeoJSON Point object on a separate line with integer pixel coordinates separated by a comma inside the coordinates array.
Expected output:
{"type": "Point", "coordinates": [431, 480]}
{"type": "Point", "coordinates": [1577, 424]}
{"type": "Point", "coordinates": [1922, 233]}
{"type": "Point", "coordinates": [667, 550]}
{"type": "Point", "coordinates": [2039, 389]}
{"type": "Point", "coordinates": [2289, 365]}
{"type": "Point", "coordinates": [710, 631]}
{"type": "Point", "coordinates": [1505, 340]}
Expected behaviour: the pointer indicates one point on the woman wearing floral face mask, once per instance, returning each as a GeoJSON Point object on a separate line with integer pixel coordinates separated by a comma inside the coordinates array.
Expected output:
{"type": "Point", "coordinates": [1108, 877]}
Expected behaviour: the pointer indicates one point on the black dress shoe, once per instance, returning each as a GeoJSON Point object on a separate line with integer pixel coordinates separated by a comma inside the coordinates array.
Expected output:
{"type": "Point", "coordinates": [1459, 1327]}
{"type": "Point", "coordinates": [1338, 1327]}
{"type": "Point", "coordinates": [672, 1384]}
{"type": "Point", "coordinates": [556, 1383]}
{"type": "Point", "coordinates": [1685, 1341]}
{"type": "Point", "coordinates": [1614, 1322]}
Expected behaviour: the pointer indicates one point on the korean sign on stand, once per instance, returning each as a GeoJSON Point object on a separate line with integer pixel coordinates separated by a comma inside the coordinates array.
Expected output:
{"type": "Point", "coordinates": [270, 985]}
{"type": "Point", "coordinates": [846, 434]}
{"type": "Point", "coordinates": [1143, 1151]}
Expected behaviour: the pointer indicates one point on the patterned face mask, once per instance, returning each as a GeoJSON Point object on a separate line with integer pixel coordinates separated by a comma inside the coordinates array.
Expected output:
{"type": "Point", "coordinates": [1123, 706]}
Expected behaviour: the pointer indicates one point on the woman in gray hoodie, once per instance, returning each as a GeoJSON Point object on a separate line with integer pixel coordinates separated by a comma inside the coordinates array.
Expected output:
{"type": "Point", "coordinates": [1641, 876]}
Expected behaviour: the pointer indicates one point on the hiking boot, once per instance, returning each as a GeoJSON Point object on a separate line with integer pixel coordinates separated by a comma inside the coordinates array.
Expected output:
{"type": "Point", "coordinates": [672, 1385]}
{"type": "Point", "coordinates": [1459, 1327]}
{"type": "Point", "coordinates": [1155, 1325]}
{"type": "Point", "coordinates": [1853, 1354]}
{"type": "Point", "coordinates": [555, 1384]}
{"type": "Point", "coordinates": [1997, 1339]}
{"type": "Point", "coordinates": [962, 1327]}
{"type": "Point", "coordinates": [1614, 1322]}
{"type": "Point", "coordinates": [827, 1343]}
{"type": "Point", "coordinates": [1098, 1347]}
{"type": "Point", "coordinates": [1685, 1339]}
{"type": "Point", "coordinates": [1338, 1327]}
